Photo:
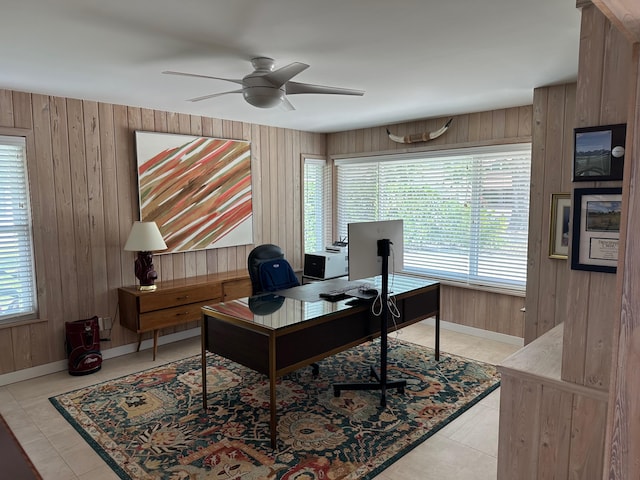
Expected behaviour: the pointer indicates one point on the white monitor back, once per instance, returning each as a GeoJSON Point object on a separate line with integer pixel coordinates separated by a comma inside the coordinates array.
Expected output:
{"type": "Point", "coordinates": [364, 261]}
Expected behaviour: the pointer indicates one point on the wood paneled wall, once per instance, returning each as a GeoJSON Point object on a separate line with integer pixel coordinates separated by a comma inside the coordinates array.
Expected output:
{"type": "Point", "coordinates": [561, 424]}
{"type": "Point", "coordinates": [623, 428]}
{"type": "Point", "coordinates": [82, 173]}
{"type": "Point", "coordinates": [490, 311]}
{"type": "Point", "coordinates": [496, 312]}
{"type": "Point", "coordinates": [551, 168]}
{"type": "Point", "coordinates": [601, 98]}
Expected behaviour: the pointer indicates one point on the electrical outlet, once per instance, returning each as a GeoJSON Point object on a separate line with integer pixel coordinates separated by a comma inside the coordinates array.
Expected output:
{"type": "Point", "coordinates": [104, 323]}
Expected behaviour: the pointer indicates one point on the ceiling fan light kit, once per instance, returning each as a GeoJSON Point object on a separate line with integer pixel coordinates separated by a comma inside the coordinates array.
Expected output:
{"type": "Point", "coordinates": [266, 87]}
{"type": "Point", "coordinates": [263, 97]}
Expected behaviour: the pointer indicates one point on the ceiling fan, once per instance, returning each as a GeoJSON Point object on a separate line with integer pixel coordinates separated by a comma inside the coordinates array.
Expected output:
{"type": "Point", "coordinates": [267, 88]}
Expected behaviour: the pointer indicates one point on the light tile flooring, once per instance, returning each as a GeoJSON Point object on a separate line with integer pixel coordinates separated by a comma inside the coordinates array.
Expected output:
{"type": "Point", "coordinates": [464, 449]}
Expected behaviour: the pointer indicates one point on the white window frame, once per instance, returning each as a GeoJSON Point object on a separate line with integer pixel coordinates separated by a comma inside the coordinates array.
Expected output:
{"type": "Point", "coordinates": [457, 253]}
{"type": "Point", "coordinates": [18, 292]}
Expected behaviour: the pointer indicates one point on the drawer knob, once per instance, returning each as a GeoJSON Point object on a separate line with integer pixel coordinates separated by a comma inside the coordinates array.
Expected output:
{"type": "Point", "coordinates": [183, 297]}
{"type": "Point", "coordinates": [181, 314]}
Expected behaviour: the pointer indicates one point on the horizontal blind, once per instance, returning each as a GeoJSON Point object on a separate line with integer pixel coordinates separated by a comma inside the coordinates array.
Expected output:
{"type": "Point", "coordinates": [17, 282]}
{"type": "Point", "coordinates": [465, 212]}
{"type": "Point", "coordinates": [314, 193]}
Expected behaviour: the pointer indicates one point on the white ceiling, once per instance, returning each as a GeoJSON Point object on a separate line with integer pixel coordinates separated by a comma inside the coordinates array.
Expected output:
{"type": "Point", "coordinates": [414, 58]}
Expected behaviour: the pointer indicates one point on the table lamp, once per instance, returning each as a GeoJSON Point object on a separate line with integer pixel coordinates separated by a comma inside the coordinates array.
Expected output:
{"type": "Point", "coordinates": [144, 238]}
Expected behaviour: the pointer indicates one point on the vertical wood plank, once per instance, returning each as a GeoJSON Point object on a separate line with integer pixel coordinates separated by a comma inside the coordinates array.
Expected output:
{"type": "Point", "coordinates": [95, 194]}
{"type": "Point", "coordinates": [586, 455]}
{"type": "Point", "coordinates": [518, 444]}
{"type": "Point", "coordinates": [113, 272]}
{"type": "Point", "coordinates": [6, 108]}
{"type": "Point", "coordinates": [80, 198]}
{"type": "Point", "coordinates": [555, 434]}
{"type": "Point", "coordinates": [64, 208]}
{"type": "Point", "coordinates": [22, 115]}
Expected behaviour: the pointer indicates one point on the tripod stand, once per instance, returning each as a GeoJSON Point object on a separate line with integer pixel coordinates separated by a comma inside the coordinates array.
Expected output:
{"type": "Point", "coordinates": [382, 383]}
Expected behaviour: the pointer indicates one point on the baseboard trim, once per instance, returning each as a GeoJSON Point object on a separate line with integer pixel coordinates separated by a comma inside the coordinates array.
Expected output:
{"type": "Point", "coordinates": [477, 332]}
{"type": "Point", "coordinates": [59, 366]}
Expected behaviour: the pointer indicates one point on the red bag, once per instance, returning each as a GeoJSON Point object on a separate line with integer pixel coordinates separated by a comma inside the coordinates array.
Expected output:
{"type": "Point", "coordinates": [83, 346]}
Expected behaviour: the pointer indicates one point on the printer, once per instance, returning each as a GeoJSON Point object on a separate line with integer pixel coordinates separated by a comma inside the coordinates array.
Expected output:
{"type": "Point", "coordinates": [330, 263]}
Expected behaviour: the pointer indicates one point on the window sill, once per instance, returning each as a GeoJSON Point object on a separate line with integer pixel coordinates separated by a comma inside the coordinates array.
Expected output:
{"type": "Point", "coordinates": [468, 286]}
{"type": "Point", "coordinates": [20, 323]}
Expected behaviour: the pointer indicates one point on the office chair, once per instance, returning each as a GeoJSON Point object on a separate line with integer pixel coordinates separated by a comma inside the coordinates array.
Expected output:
{"type": "Point", "coordinates": [269, 270]}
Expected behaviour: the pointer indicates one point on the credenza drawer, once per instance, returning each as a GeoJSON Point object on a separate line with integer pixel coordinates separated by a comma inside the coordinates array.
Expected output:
{"type": "Point", "coordinates": [171, 316]}
{"type": "Point", "coordinates": [177, 302]}
{"type": "Point", "coordinates": [236, 289]}
{"type": "Point", "coordinates": [159, 300]}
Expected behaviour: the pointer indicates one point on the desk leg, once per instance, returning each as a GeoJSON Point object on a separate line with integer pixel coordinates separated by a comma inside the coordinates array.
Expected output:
{"type": "Point", "coordinates": [203, 336]}
{"type": "Point", "coordinates": [273, 422]}
{"type": "Point", "coordinates": [156, 333]}
{"type": "Point", "coordinates": [139, 342]}
{"type": "Point", "coordinates": [437, 337]}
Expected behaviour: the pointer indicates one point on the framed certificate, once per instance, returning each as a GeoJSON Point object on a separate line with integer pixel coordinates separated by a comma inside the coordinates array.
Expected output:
{"type": "Point", "coordinates": [596, 229]}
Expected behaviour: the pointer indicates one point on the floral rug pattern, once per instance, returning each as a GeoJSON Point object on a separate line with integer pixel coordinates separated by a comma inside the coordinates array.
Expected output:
{"type": "Point", "coordinates": [151, 425]}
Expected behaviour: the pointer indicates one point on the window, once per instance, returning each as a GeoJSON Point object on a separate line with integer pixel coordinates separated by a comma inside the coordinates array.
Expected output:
{"type": "Point", "coordinates": [17, 280]}
{"type": "Point", "coordinates": [315, 195]}
{"type": "Point", "coordinates": [465, 211]}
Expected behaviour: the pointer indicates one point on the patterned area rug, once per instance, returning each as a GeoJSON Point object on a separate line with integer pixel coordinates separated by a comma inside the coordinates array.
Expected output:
{"type": "Point", "coordinates": [151, 425]}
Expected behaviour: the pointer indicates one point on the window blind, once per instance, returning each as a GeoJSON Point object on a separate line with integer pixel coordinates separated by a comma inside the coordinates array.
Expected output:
{"type": "Point", "coordinates": [17, 279]}
{"type": "Point", "coordinates": [465, 212]}
{"type": "Point", "coordinates": [314, 197]}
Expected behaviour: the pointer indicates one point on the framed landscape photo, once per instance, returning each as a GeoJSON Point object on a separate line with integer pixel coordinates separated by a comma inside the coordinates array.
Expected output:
{"type": "Point", "coordinates": [559, 225]}
{"type": "Point", "coordinates": [599, 153]}
{"type": "Point", "coordinates": [596, 229]}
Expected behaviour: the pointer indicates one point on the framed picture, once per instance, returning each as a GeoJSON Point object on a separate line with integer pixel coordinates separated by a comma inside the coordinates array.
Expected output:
{"type": "Point", "coordinates": [196, 189]}
{"type": "Point", "coordinates": [596, 229]}
{"type": "Point", "coordinates": [559, 225]}
{"type": "Point", "coordinates": [599, 153]}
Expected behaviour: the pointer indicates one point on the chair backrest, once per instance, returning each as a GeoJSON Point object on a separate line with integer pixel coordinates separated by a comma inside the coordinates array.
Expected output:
{"type": "Point", "coordinates": [262, 254]}
{"type": "Point", "coordinates": [276, 274]}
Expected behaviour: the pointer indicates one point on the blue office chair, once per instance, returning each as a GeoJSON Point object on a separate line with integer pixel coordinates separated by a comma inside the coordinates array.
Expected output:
{"type": "Point", "coordinates": [269, 270]}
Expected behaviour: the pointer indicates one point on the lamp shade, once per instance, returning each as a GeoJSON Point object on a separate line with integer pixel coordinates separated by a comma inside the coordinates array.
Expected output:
{"type": "Point", "coordinates": [145, 237]}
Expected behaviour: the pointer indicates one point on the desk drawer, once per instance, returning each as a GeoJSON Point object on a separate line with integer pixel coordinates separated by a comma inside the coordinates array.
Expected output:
{"type": "Point", "coordinates": [171, 316]}
{"type": "Point", "coordinates": [179, 296]}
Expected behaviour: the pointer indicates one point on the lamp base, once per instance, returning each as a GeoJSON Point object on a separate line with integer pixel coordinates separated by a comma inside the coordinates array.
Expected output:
{"type": "Point", "coordinates": [145, 272]}
{"type": "Point", "coordinates": [147, 288]}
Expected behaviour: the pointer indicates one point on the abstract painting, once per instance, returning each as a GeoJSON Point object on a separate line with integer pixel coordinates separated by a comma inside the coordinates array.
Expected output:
{"type": "Point", "coordinates": [197, 190]}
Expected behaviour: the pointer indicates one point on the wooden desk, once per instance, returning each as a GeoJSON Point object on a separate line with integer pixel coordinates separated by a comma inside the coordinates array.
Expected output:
{"type": "Point", "coordinates": [177, 302]}
{"type": "Point", "coordinates": [299, 333]}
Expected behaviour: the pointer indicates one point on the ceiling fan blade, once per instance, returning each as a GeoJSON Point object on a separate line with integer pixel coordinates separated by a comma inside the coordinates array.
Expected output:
{"type": "Point", "coordinates": [234, 80]}
{"type": "Point", "coordinates": [292, 88]}
{"type": "Point", "coordinates": [282, 75]}
{"type": "Point", "coordinates": [213, 95]}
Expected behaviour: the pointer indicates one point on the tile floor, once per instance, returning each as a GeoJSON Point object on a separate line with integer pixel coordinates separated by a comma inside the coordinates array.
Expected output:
{"type": "Point", "coordinates": [465, 449]}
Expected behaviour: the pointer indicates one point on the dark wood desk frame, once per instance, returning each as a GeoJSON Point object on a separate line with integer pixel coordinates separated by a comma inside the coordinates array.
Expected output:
{"type": "Point", "coordinates": [278, 351]}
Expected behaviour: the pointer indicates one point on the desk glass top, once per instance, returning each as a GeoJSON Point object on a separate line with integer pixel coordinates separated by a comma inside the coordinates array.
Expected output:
{"type": "Point", "coordinates": [275, 311]}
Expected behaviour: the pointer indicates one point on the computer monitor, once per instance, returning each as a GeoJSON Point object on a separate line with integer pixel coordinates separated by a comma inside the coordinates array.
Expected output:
{"type": "Point", "coordinates": [364, 261]}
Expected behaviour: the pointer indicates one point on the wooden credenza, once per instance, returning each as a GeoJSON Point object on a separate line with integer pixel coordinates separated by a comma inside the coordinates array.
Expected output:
{"type": "Point", "coordinates": [177, 302]}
